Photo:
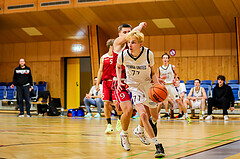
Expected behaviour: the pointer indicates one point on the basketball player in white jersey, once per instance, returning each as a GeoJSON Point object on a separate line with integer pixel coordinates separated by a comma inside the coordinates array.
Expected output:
{"type": "Point", "coordinates": [122, 96]}
{"type": "Point", "coordinates": [167, 72]}
{"type": "Point", "coordinates": [197, 98]}
{"type": "Point", "coordinates": [139, 66]}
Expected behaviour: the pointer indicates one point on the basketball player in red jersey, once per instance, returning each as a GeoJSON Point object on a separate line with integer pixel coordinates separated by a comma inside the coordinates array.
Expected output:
{"type": "Point", "coordinates": [105, 73]}
{"type": "Point", "coordinates": [122, 96]}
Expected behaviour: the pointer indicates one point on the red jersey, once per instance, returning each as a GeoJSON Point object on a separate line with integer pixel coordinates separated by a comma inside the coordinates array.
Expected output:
{"type": "Point", "coordinates": [107, 67]}
{"type": "Point", "coordinates": [115, 56]}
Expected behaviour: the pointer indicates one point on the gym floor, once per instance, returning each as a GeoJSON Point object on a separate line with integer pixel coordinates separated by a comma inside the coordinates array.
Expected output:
{"type": "Point", "coordinates": [66, 137]}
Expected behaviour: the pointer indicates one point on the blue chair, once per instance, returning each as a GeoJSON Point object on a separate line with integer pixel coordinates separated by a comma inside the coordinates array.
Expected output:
{"type": "Point", "coordinates": [189, 82]}
{"type": "Point", "coordinates": [207, 89]}
{"type": "Point", "coordinates": [3, 83]}
{"type": "Point", "coordinates": [10, 94]}
{"type": "Point", "coordinates": [233, 82]}
{"type": "Point", "coordinates": [3, 92]}
{"type": "Point", "coordinates": [188, 88]}
{"type": "Point", "coordinates": [35, 88]}
{"type": "Point", "coordinates": [235, 89]}
{"type": "Point", "coordinates": [206, 82]}
{"type": "Point", "coordinates": [41, 87]}
{"type": "Point", "coordinates": [181, 81]}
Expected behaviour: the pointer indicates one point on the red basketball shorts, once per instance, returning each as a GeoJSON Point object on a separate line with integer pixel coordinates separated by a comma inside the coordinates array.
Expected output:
{"type": "Point", "coordinates": [108, 93]}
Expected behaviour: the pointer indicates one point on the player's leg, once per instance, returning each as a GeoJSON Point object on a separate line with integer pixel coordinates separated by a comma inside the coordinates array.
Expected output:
{"type": "Point", "coordinates": [144, 116]}
{"type": "Point", "coordinates": [167, 115]}
{"type": "Point", "coordinates": [203, 107]}
{"type": "Point", "coordinates": [139, 131]}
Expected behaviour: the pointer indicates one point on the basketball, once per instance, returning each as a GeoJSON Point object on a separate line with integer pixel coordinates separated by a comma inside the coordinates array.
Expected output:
{"type": "Point", "coordinates": [158, 92]}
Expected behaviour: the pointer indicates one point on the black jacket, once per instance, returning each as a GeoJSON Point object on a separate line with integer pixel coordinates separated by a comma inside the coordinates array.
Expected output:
{"type": "Point", "coordinates": [223, 92]}
{"type": "Point", "coordinates": [22, 76]}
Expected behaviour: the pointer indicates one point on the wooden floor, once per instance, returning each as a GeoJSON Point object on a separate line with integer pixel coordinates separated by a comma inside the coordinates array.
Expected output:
{"type": "Point", "coordinates": [65, 137]}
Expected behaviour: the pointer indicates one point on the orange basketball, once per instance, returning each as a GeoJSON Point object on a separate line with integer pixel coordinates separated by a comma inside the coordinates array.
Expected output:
{"type": "Point", "coordinates": [158, 93]}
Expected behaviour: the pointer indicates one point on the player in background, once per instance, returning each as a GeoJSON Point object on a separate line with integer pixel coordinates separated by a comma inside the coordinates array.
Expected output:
{"type": "Point", "coordinates": [139, 65]}
{"type": "Point", "coordinates": [105, 74]}
{"type": "Point", "coordinates": [167, 72]}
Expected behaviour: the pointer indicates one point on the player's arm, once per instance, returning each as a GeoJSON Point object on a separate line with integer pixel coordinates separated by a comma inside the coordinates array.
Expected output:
{"type": "Point", "coordinates": [119, 71]}
{"type": "Point", "coordinates": [100, 72]}
{"type": "Point", "coordinates": [190, 94]}
{"type": "Point", "coordinates": [154, 76]}
{"type": "Point", "coordinates": [117, 45]}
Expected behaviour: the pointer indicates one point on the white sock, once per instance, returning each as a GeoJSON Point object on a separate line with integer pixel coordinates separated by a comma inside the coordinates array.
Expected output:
{"type": "Point", "coordinates": [154, 140]}
{"type": "Point", "coordinates": [141, 129]}
{"type": "Point", "coordinates": [124, 132]}
{"type": "Point", "coordinates": [186, 115]}
{"type": "Point", "coordinates": [203, 112]}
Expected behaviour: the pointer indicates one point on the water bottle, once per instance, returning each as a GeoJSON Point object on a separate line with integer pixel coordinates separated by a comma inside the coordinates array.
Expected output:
{"type": "Point", "coordinates": [62, 111]}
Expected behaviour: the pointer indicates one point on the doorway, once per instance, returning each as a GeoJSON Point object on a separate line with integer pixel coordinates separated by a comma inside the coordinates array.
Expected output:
{"type": "Point", "coordinates": [78, 80]}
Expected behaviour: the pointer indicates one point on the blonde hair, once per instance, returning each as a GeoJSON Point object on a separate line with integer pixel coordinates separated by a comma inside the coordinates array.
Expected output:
{"type": "Point", "coordinates": [137, 34]}
{"type": "Point", "coordinates": [109, 43]}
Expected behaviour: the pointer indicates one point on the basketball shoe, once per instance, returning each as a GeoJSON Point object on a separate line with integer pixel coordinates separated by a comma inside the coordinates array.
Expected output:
{"type": "Point", "coordinates": [141, 136]}
{"type": "Point", "coordinates": [109, 129]}
{"type": "Point", "coordinates": [160, 151]}
{"type": "Point", "coordinates": [166, 116]}
{"type": "Point", "coordinates": [124, 141]}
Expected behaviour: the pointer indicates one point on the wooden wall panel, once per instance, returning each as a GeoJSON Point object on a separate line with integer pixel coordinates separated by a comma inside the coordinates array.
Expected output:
{"type": "Point", "coordinates": [44, 51]}
{"type": "Point", "coordinates": [204, 68]}
{"type": "Point", "coordinates": [205, 45]}
{"type": "Point", "coordinates": [19, 2]}
{"type": "Point", "coordinates": [223, 44]}
{"type": "Point", "coordinates": [189, 45]}
{"type": "Point", "coordinates": [54, 6]}
{"type": "Point", "coordinates": [7, 53]}
{"type": "Point", "coordinates": [54, 76]}
{"type": "Point", "coordinates": [56, 50]}
{"type": "Point", "coordinates": [1, 54]}
{"type": "Point", "coordinates": [157, 45]}
{"type": "Point", "coordinates": [97, 3]}
{"type": "Point", "coordinates": [146, 42]}
{"type": "Point", "coordinates": [2, 6]}
{"type": "Point", "coordinates": [31, 51]}
{"type": "Point", "coordinates": [102, 39]}
{"type": "Point", "coordinates": [19, 51]}
{"type": "Point", "coordinates": [173, 42]}
{"type": "Point", "coordinates": [234, 44]}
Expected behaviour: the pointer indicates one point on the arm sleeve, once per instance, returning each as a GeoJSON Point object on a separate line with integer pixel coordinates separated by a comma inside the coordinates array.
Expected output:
{"type": "Point", "coordinates": [119, 59]}
{"type": "Point", "coordinates": [30, 77]}
{"type": "Point", "coordinates": [151, 58]}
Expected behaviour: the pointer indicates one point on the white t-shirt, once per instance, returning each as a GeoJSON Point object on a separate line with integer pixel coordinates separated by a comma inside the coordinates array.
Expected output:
{"type": "Point", "coordinates": [182, 89]}
{"type": "Point", "coordinates": [137, 68]}
{"type": "Point", "coordinates": [94, 92]}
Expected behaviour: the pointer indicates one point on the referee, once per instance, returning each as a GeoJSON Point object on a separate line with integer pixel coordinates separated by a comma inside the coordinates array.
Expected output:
{"type": "Point", "coordinates": [22, 79]}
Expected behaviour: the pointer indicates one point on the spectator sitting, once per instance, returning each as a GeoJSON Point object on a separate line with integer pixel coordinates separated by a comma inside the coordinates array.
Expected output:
{"type": "Point", "coordinates": [94, 97]}
{"type": "Point", "coordinates": [197, 98]}
{"type": "Point", "coordinates": [181, 89]}
{"type": "Point", "coordinates": [222, 98]}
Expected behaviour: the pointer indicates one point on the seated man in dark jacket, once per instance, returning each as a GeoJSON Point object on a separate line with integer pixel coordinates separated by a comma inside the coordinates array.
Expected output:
{"type": "Point", "coordinates": [222, 98]}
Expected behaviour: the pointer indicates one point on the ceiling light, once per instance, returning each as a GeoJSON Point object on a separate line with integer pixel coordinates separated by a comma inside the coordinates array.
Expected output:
{"type": "Point", "coordinates": [163, 23]}
{"type": "Point", "coordinates": [32, 31]}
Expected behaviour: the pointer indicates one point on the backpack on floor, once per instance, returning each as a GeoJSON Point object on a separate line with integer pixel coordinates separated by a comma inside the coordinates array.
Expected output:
{"type": "Point", "coordinates": [52, 109]}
